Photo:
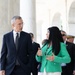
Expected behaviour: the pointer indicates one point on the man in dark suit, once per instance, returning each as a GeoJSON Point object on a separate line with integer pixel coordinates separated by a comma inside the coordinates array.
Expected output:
{"type": "Point", "coordinates": [16, 54]}
{"type": "Point", "coordinates": [35, 46]}
{"type": "Point", "coordinates": [69, 69]}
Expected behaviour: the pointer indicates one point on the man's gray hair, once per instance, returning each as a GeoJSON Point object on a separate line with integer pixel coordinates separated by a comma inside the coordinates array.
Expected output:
{"type": "Point", "coordinates": [14, 18]}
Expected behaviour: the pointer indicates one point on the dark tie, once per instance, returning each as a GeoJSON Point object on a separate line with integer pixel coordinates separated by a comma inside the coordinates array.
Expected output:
{"type": "Point", "coordinates": [16, 44]}
{"type": "Point", "coordinates": [17, 40]}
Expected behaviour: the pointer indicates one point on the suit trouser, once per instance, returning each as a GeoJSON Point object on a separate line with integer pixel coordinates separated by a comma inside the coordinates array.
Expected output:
{"type": "Point", "coordinates": [67, 71]}
{"type": "Point", "coordinates": [34, 71]}
{"type": "Point", "coordinates": [19, 71]}
{"type": "Point", "coordinates": [64, 71]}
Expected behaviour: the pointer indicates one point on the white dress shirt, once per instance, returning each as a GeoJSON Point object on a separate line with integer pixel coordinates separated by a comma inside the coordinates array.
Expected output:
{"type": "Point", "coordinates": [15, 34]}
{"type": "Point", "coordinates": [64, 64]}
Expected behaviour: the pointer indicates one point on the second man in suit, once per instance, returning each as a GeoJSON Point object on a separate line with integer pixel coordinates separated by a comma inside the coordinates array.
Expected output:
{"type": "Point", "coordinates": [35, 64]}
{"type": "Point", "coordinates": [68, 68]}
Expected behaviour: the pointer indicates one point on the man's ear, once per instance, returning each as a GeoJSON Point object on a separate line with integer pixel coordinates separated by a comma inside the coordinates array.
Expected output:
{"type": "Point", "coordinates": [12, 25]}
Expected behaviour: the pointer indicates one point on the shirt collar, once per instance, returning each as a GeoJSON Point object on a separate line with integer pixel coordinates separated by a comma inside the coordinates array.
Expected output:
{"type": "Point", "coordinates": [14, 32]}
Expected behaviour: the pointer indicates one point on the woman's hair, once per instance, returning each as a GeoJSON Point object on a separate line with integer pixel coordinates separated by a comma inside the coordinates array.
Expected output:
{"type": "Point", "coordinates": [55, 37]}
{"type": "Point", "coordinates": [44, 41]}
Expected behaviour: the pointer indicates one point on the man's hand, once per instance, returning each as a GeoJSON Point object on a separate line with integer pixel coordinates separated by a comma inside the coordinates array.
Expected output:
{"type": "Point", "coordinates": [74, 72]}
{"type": "Point", "coordinates": [2, 72]}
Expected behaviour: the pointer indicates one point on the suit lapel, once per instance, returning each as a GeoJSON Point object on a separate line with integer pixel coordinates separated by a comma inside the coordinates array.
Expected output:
{"type": "Point", "coordinates": [21, 39]}
{"type": "Point", "coordinates": [49, 50]}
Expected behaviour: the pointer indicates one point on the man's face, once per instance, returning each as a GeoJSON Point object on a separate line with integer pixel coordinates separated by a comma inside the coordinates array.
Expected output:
{"type": "Point", "coordinates": [70, 40]}
{"type": "Point", "coordinates": [64, 36]}
{"type": "Point", "coordinates": [32, 39]}
{"type": "Point", "coordinates": [18, 25]}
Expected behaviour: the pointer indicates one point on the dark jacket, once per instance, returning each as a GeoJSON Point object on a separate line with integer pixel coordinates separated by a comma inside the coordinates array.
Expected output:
{"type": "Point", "coordinates": [9, 52]}
{"type": "Point", "coordinates": [68, 69]}
{"type": "Point", "coordinates": [35, 64]}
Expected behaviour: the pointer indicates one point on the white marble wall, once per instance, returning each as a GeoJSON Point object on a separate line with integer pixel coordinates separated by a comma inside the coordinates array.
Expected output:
{"type": "Point", "coordinates": [8, 8]}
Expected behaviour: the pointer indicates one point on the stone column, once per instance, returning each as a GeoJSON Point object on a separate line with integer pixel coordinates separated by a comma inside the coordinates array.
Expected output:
{"type": "Point", "coordinates": [8, 8]}
{"type": "Point", "coordinates": [27, 12]}
{"type": "Point", "coordinates": [13, 9]}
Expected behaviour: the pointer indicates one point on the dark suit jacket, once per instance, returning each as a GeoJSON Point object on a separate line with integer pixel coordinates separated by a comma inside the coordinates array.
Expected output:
{"type": "Point", "coordinates": [9, 53]}
{"type": "Point", "coordinates": [68, 69]}
{"type": "Point", "coordinates": [35, 47]}
{"type": "Point", "coordinates": [34, 69]}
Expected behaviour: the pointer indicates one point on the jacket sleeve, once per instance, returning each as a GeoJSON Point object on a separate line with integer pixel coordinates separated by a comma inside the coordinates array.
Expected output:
{"type": "Point", "coordinates": [63, 56]}
{"type": "Point", "coordinates": [29, 52]}
{"type": "Point", "coordinates": [3, 54]}
{"type": "Point", "coordinates": [38, 58]}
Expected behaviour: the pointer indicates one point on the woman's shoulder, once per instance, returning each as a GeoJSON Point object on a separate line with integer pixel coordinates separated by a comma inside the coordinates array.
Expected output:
{"type": "Point", "coordinates": [62, 44]}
